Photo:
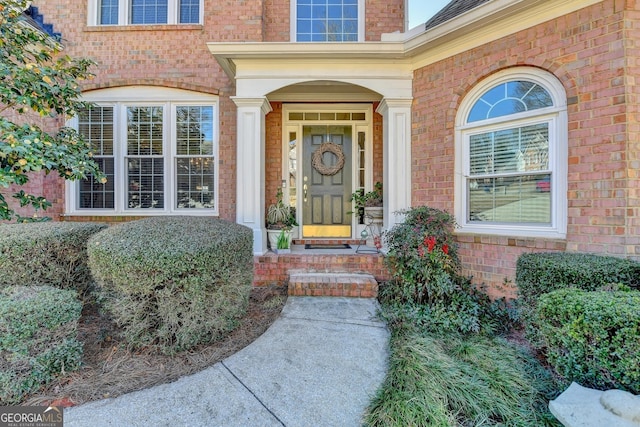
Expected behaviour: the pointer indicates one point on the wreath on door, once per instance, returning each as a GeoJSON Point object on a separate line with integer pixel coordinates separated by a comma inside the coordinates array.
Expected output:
{"type": "Point", "coordinates": [317, 159]}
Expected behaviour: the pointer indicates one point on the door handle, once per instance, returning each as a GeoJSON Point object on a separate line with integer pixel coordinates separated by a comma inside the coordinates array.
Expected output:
{"type": "Point", "coordinates": [304, 190]}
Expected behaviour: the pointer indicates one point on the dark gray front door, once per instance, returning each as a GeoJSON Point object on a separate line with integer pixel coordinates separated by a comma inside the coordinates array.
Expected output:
{"type": "Point", "coordinates": [326, 197]}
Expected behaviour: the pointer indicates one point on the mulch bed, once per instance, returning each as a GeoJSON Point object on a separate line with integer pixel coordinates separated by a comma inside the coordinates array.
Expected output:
{"type": "Point", "coordinates": [110, 369]}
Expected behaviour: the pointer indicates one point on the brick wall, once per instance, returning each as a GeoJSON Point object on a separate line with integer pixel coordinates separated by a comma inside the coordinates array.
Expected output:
{"type": "Point", "coordinates": [585, 51]}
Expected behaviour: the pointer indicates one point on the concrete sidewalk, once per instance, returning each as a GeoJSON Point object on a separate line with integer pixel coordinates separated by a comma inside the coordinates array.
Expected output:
{"type": "Point", "coordinates": [319, 364]}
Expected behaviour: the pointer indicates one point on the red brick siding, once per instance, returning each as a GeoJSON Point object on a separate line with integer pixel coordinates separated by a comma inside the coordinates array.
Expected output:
{"type": "Point", "coordinates": [383, 17]}
{"type": "Point", "coordinates": [583, 50]}
{"type": "Point", "coordinates": [277, 20]}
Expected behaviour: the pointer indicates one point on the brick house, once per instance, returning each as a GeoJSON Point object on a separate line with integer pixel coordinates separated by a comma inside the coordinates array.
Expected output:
{"type": "Point", "coordinates": [519, 116]}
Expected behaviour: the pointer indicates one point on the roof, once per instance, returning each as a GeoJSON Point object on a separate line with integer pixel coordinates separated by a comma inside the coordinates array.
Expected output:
{"type": "Point", "coordinates": [32, 17]}
{"type": "Point", "coordinates": [452, 10]}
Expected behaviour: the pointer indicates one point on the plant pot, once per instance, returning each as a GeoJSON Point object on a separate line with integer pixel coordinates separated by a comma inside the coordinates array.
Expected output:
{"type": "Point", "coordinates": [273, 238]}
{"type": "Point", "coordinates": [283, 251]}
{"type": "Point", "coordinates": [375, 212]}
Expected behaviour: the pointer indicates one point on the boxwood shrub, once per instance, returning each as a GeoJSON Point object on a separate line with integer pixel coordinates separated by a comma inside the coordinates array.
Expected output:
{"type": "Point", "coordinates": [173, 282]}
{"type": "Point", "coordinates": [46, 253]}
{"type": "Point", "coordinates": [540, 273]}
{"type": "Point", "coordinates": [592, 338]}
{"type": "Point", "coordinates": [38, 329]}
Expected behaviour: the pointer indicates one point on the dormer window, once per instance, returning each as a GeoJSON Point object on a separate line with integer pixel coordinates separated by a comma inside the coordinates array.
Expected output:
{"type": "Point", "coordinates": [327, 20]}
{"type": "Point", "coordinates": [144, 12]}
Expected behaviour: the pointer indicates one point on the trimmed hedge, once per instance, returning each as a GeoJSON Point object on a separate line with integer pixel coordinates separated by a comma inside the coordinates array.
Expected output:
{"type": "Point", "coordinates": [38, 329]}
{"type": "Point", "coordinates": [46, 253]}
{"type": "Point", "coordinates": [173, 282]}
{"type": "Point", "coordinates": [541, 273]}
{"type": "Point", "coordinates": [592, 338]}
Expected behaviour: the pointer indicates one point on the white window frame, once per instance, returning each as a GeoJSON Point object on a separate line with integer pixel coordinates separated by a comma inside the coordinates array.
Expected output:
{"type": "Point", "coordinates": [169, 99]}
{"type": "Point", "coordinates": [556, 116]}
{"type": "Point", "coordinates": [294, 22]}
{"type": "Point", "coordinates": [124, 12]}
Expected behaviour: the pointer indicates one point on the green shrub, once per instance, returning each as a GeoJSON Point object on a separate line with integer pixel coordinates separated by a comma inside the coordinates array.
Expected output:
{"type": "Point", "coordinates": [173, 282]}
{"type": "Point", "coordinates": [38, 328]}
{"type": "Point", "coordinates": [592, 338]}
{"type": "Point", "coordinates": [541, 273]}
{"type": "Point", "coordinates": [426, 287]}
{"type": "Point", "coordinates": [46, 253]}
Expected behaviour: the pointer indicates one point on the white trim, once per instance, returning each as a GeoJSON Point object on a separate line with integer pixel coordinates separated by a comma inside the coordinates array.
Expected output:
{"type": "Point", "coordinates": [293, 28]}
{"type": "Point", "coordinates": [558, 149]}
{"type": "Point", "coordinates": [122, 97]}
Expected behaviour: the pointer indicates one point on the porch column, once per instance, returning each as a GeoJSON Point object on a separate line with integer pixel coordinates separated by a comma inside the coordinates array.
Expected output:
{"type": "Point", "coordinates": [396, 143]}
{"type": "Point", "coordinates": [250, 164]}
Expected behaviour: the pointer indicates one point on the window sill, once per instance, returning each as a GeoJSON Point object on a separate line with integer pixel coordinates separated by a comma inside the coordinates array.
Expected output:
{"type": "Point", "coordinates": [512, 232]}
{"type": "Point", "coordinates": [147, 27]}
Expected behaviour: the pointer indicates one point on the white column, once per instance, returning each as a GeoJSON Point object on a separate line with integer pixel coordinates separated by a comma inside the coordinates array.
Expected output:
{"type": "Point", "coordinates": [250, 165]}
{"type": "Point", "coordinates": [396, 142]}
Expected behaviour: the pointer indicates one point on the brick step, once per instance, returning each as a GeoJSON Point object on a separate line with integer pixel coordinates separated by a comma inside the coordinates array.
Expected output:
{"type": "Point", "coordinates": [358, 285]}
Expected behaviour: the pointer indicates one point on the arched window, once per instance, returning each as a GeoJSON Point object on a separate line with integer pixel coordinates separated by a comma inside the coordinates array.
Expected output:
{"type": "Point", "coordinates": [511, 156]}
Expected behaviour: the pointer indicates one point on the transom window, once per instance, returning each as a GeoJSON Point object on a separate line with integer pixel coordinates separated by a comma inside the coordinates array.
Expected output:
{"type": "Point", "coordinates": [511, 156]}
{"type": "Point", "coordinates": [328, 20]}
{"type": "Point", "coordinates": [133, 12]}
{"type": "Point", "coordinates": [157, 156]}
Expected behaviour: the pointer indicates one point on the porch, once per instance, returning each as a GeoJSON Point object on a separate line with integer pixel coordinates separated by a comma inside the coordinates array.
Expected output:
{"type": "Point", "coordinates": [350, 272]}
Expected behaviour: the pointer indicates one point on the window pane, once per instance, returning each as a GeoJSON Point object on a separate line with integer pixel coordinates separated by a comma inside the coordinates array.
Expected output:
{"type": "Point", "coordinates": [94, 195]}
{"type": "Point", "coordinates": [513, 199]}
{"type": "Point", "coordinates": [194, 130]}
{"type": "Point", "coordinates": [148, 11]}
{"type": "Point", "coordinates": [144, 131]}
{"type": "Point", "coordinates": [505, 184]}
{"type": "Point", "coordinates": [195, 177]}
{"type": "Point", "coordinates": [522, 149]}
{"type": "Point", "coordinates": [327, 20]}
{"type": "Point", "coordinates": [95, 124]}
{"type": "Point", "coordinates": [509, 98]}
{"type": "Point", "coordinates": [195, 182]}
{"type": "Point", "coordinates": [189, 11]}
{"type": "Point", "coordinates": [145, 183]}
{"type": "Point", "coordinates": [109, 12]}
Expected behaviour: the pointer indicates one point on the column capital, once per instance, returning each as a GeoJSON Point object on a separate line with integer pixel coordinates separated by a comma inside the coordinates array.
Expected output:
{"type": "Point", "coordinates": [388, 103]}
{"type": "Point", "coordinates": [259, 102]}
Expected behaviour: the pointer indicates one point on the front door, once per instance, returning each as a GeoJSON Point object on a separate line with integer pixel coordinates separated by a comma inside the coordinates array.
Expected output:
{"type": "Point", "coordinates": [326, 182]}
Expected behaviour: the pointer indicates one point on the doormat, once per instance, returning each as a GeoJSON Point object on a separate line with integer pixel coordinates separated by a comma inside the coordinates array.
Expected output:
{"type": "Point", "coordinates": [327, 246]}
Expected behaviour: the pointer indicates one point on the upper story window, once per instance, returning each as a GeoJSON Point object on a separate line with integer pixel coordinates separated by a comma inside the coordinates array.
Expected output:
{"type": "Point", "coordinates": [157, 148]}
{"type": "Point", "coordinates": [327, 20]}
{"type": "Point", "coordinates": [134, 12]}
{"type": "Point", "coordinates": [511, 156]}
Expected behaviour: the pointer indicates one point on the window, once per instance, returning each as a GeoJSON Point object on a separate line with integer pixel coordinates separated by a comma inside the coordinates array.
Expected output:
{"type": "Point", "coordinates": [133, 12]}
{"type": "Point", "coordinates": [158, 156]}
{"type": "Point", "coordinates": [327, 20]}
{"type": "Point", "coordinates": [511, 156]}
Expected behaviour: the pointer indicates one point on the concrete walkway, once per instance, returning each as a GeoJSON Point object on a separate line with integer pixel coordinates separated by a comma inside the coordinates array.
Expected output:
{"type": "Point", "coordinates": [319, 364]}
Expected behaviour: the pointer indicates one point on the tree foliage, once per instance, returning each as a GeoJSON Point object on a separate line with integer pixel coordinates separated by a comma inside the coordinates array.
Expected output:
{"type": "Point", "coordinates": [36, 79]}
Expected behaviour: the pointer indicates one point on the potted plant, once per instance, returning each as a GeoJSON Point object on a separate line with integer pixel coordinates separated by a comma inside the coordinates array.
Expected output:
{"type": "Point", "coordinates": [280, 218]}
{"type": "Point", "coordinates": [369, 203]}
{"type": "Point", "coordinates": [283, 243]}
